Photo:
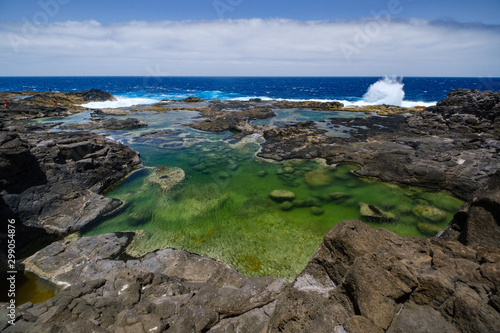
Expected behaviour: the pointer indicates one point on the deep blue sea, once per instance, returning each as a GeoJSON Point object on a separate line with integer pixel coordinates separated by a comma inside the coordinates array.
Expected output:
{"type": "Point", "coordinates": [408, 91]}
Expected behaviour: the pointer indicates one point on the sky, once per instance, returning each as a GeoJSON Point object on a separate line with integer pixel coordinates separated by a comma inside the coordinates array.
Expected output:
{"type": "Point", "coordinates": [250, 38]}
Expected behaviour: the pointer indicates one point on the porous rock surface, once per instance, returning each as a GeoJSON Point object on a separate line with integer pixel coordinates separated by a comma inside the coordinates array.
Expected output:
{"type": "Point", "coordinates": [53, 180]}
{"type": "Point", "coordinates": [372, 280]}
{"type": "Point", "coordinates": [167, 290]}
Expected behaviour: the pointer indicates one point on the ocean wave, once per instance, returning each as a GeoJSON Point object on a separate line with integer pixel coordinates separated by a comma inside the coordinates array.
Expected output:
{"type": "Point", "coordinates": [358, 103]}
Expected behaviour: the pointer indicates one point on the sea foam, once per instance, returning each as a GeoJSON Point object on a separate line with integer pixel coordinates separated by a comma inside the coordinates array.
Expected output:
{"type": "Point", "coordinates": [121, 102]}
{"type": "Point", "coordinates": [388, 90]}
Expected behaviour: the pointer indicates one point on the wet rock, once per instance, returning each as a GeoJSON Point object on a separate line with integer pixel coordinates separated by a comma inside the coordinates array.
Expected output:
{"type": "Point", "coordinates": [193, 99]}
{"type": "Point", "coordinates": [282, 196]}
{"type": "Point", "coordinates": [309, 105]}
{"type": "Point", "coordinates": [432, 214]}
{"type": "Point", "coordinates": [318, 178]}
{"type": "Point", "coordinates": [62, 262]}
{"type": "Point", "coordinates": [166, 177]}
{"type": "Point", "coordinates": [478, 222]}
{"type": "Point", "coordinates": [373, 213]}
{"type": "Point", "coordinates": [167, 289]}
{"type": "Point", "coordinates": [110, 124]}
{"type": "Point", "coordinates": [224, 120]}
{"type": "Point", "coordinates": [286, 206]}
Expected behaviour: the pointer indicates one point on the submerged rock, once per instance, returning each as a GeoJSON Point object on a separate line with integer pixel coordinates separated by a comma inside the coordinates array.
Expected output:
{"type": "Point", "coordinates": [286, 206]}
{"type": "Point", "coordinates": [282, 196]}
{"type": "Point", "coordinates": [166, 177]}
{"type": "Point", "coordinates": [262, 174]}
{"type": "Point", "coordinates": [307, 202]}
{"type": "Point", "coordinates": [430, 213]}
{"type": "Point", "coordinates": [337, 196]}
{"type": "Point", "coordinates": [428, 229]}
{"type": "Point", "coordinates": [318, 178]}
{"type": "Point", "coordinates": [317, 211]}
{"type": "Point", "coordinates": [374, 213]}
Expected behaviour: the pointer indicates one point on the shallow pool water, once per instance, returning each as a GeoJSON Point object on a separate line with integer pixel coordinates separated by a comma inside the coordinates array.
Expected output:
{"type": "Point", "coordinates": [29, 288]}
{"type": "Point", "coordinates": [222, 209]}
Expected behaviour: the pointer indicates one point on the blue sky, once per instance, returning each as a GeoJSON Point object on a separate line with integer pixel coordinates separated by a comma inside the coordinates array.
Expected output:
{"type": "Point", "coordinates": [250, 37]}
{"type": "Point", "coordinates": [105, 11]}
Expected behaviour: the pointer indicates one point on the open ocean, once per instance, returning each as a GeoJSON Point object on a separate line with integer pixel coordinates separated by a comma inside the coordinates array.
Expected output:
{"type": "Point", "coordinates": [408, 91]}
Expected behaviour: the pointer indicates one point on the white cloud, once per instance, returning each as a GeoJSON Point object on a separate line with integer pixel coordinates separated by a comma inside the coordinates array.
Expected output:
{"type": "Point", "coordinates": [251, 47]}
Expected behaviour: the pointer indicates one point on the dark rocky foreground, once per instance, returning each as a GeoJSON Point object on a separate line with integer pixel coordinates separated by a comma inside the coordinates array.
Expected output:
{"type": "Point", "coordinates": [360, 279]}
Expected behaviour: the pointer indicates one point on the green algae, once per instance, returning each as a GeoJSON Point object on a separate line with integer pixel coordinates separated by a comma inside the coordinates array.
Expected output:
{"type": "Point", "coordinates": [223, 210]}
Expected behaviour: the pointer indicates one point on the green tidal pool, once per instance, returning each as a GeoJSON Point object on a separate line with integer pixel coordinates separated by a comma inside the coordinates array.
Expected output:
{"type": "Point", "coordinates": [222, 209]}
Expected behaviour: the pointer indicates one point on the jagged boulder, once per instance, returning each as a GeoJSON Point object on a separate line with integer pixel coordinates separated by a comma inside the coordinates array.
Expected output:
{"type": "Point", "coordinates": [167, 289]}
{"type": "Point", "coordinates": [478, 222]}
{"type": "Point", "coordinates": [371, 280]}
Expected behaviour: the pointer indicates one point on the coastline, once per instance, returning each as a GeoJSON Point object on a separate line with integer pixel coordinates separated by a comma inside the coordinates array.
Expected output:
{"type": "Point", "coordinates": [381, 156]}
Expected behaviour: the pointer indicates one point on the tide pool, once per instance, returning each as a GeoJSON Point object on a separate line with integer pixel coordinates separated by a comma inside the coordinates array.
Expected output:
{"type": "Point", "coordinates": [223, 210]}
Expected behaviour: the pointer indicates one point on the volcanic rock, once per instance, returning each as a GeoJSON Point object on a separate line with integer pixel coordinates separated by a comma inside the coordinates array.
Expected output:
{"type": "Point", "coordinates": [371, 280]}
{"type": "Point", "coordinates": [53, 180]}
{"type": "Point", "coordinates": [167, 289]}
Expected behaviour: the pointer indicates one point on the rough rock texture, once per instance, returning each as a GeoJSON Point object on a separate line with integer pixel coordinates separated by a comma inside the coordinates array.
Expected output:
{"type": "Point", "coordinates": [168, 290]}
{"type": "Point", "coordinates": [478, 222]}
{"type": "Point", "coordinates": [466, 110]}
{"type": "Point", "coordinates": [360, 280]}
{"type": "Point", "coordinates": [53, 180]}
{"type": "Point", "coordinates": [454, 145]}
{"type": "Point", "coordinates": [371, 280]}
{"type": "Point", "coordinates": [224, 120]}
{"type": "Point", "coordinates": [65, 263]}
{"type": "Point", "coordinates": [309, 105]}
{"type": "Point", "coordinates": [110, 124]}
{"type": "Point", "coordinates": [34, 104]}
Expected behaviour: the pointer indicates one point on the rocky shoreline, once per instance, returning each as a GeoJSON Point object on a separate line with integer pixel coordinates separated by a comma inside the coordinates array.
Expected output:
{"type": "Point", "coordinates": [360, 280]}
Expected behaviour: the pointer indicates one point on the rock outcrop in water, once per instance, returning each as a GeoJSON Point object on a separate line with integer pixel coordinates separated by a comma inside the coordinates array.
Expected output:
{"type": "Point", "coordinates": [27, 105]}
{"type": "Point", "coordinates": [454, 145]}
{"type": "Point", "coordinates": [109, 124]}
